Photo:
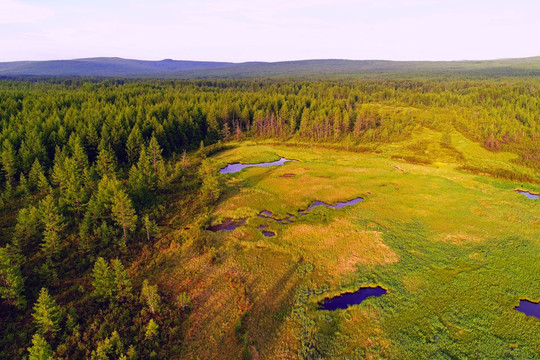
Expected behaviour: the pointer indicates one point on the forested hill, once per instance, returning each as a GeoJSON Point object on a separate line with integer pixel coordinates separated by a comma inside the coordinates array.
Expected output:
{"type": "Point", "coordinates": [117, 67]}
{"type": "Point", "coordinates": [103, 67]}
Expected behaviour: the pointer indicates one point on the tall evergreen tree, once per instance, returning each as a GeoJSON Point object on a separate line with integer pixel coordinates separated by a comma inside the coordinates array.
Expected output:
{"type": "Point", "coordinates": [149, 294]}
{"type": "Point", "coordinates": [47, 314]}
{"type": "Point", "coordinates": [11, 280]}
{"type": "Point", "coordinates": [37, 179]}
{"type": "Point", "coordinates": [122, 282]}
{"type": "Point", "coordinates": [53, 222]}
{"type": "Point", "coordinates": [40, 349]}
{"type": "Point", "coordinates": [123, 213]}
{"type": "Point", "coordinates": [7, 160]}
{"type": "Point", "coordinates": [106, 163]}
{"type": "Point", "coordinates": [134, 144]}
{"type": "Point", "coordinates": [103, 279]}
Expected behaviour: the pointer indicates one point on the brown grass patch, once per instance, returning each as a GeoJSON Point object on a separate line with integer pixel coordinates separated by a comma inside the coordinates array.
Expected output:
{"type": "Point", "coordinates": [340, 246]}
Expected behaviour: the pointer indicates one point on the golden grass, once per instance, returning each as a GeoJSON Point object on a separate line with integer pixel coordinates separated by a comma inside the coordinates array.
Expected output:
{"type": "Point", "coordinates": [256, 278]}
{"type": "Point", "coordinates": [339, 246]}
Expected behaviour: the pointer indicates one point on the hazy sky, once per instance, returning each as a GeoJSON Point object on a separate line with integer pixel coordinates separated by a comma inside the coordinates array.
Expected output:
{"type": "Point", "coordinates": [269, 30]}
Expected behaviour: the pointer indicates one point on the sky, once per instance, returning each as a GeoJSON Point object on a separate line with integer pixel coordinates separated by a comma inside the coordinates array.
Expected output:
{"type": "Point", "coordinates": [269, 30]}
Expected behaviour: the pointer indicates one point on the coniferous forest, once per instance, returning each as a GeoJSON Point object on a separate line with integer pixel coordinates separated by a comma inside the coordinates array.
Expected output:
{"type": "Point", "coordinates": [108, 187]}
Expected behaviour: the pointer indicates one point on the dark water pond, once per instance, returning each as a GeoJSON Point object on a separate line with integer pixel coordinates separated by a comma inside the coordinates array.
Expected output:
{"type": "Point", "coordinates": [228, 225]}
{"type": "Point", "coordinates": [343, 301]}
{"type": "Point", "coordinates": [339, 205]}
{"type": "Point", "coordinates": [268, 233]}
{"type": "Point", "coordinates": [233, 168]}
{"type": "Point", "coordinates": [528, 194]}
{"type": "Point", "coordinates": [529, 308]}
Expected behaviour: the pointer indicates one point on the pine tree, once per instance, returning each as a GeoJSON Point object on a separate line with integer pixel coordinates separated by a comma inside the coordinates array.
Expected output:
{"type": "Point", "coordinates": [226, 131]}
{"type": "Point", "coordinates": [150, 227]}
{"type": "Point", "coordinates": [210, 189]}
{"type": "Point", "coordinates": [151, 330]}
{"type": "Point", "coordinates": [123, 212]}
{"type": "Point", "coordinates": [23, 189]}
{"type": "Point", "coordinates": [111, 347]}
{"type": "Point", "coordinates": [106, 163]}
{"type": "Point", "coordinates": [78, 153]}
{"type": "Point", "coordinates": [47, 314]}
{"type": "Point", "coordinates": [7, 160]}
{"type": "Point", "coordinates": [103, 279]}
{"type": "Point", "coordinates": [37, 179]}
{"type": "Point", "coordinates": [134, 144]}
{"type": "Point", "coordinates": [144, 167]}
{"type": "Point", "coordinates": [156, 160]}
{"type": "Point", "coordinates": [122, 283]}
{"type": "Point", "coordinates": [27, 228]}
{"type": "Point", "coordinates": [154, 154]}
{"type": "Point", "coordinates": [11, 280]}
{"type": "Point", "coordinates": [53, 222]}
{"type": "Point", "coordinates": [40, 349]}
{"type": "Point", "coordinates": [73, 191]}
{"type": "Point", "coordinates": [149, 294]}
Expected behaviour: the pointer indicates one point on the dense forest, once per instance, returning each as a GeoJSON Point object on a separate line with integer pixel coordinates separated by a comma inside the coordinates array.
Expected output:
{"type": "Point", "coordinates": [89, 167]}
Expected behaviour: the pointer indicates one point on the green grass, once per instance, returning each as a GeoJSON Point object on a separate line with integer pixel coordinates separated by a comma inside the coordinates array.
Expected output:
{"type": "Point", "coordinates": [455, 250]}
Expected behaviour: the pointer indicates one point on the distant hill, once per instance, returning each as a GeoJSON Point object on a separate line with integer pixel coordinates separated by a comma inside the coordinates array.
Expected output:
{"type": "Point", "coordinates": [106, 67]}
{"type": "Point", "coordinates": [117, 67]}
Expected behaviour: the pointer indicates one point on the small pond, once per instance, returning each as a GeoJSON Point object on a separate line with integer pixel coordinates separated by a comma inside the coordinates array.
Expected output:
{"type": "Point", "coordinates": [268, 233]}
{"type": "Point", "coordinates": [339, 205]}
{"type": "Point", "coordinates": [529, 308]}
{"type": "Point", "coordinates": [228, 225]}
{"type": "Point", "coordinates": [343, 301]}
{"type": "Point", "coordinates": [528, 194]}
{"type": "Point", "coordinates": [236, 167]}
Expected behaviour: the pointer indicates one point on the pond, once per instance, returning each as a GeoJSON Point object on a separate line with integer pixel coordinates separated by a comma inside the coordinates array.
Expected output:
{"type": "Point", "coordinates": [345, 300]}
{"type": "Point", "coordinates": [228, 225]}
{"type": "Point", "coordinates": [339, 205]}
{"type": "Point", "coordinates": [236, 167]}
{"type": "Point", "coordinates": [529, 308]}
{"type": "Point", "coordinates": [528, 194]}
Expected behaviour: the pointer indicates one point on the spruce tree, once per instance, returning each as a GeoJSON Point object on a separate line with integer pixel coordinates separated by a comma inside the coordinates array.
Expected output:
{"type": "Point", "coordinates": [47, 314]}
{"type": "Point", "coordinates": [151, 330]}
{"type": "Point", "coordinates": [27, 229]}
{"type": "Point", "coordinates": [134, 144]}
{"type": "Point", "coordinates": [7, 160]}
{"type": "Point", "coordinates": [11, 280]}
{"type": "Point", "coordinates": [149, 294]}
{"type": "Point", "coordinates": [103, 279]}
{"type": "Point", "coordinates": [210, 189]}
{"type": "Point", "coordinates": [53, 222]}
{"type": "Point", "coordinates": [37, 181]}
{"type": "Point", "coordinates": [40, 349]}
{"type": "Point", "coordinates": [150, 227]}
{"type": "Point", "coordinates": [122, 282]}
{"type": "Point", "coordinates": [106, 163]}
{"type": "Point", "coordinates": [123, 212]}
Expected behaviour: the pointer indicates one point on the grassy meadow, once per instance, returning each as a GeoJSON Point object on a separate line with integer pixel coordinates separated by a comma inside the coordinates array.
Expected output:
{"type": "Point", "coordinates": [455, 250]}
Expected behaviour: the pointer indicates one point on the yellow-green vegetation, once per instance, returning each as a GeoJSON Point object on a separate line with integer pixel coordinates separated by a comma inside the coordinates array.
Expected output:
{"type": "Point", "coordinates": [110, 193]}
{"type": "Point", "coordinates": [456, 251]}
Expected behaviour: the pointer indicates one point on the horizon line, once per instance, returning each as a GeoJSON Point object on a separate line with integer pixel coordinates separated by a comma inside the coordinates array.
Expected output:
{"type": "Point", "coordinates": [265, 61]}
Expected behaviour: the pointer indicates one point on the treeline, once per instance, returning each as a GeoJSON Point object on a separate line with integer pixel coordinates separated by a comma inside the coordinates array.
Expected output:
{"type": "Point", "coordinates": [84, 164]}
{"type": "Point", "coordinates": [38, 117]}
